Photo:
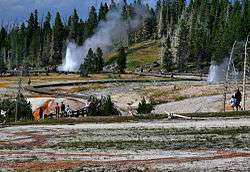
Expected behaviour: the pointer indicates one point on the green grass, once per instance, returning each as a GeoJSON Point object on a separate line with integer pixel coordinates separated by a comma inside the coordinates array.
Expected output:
{"type": "Point", "coordinates": [139, 54]}
{"type": "Point", "coordinates": [142, 54]}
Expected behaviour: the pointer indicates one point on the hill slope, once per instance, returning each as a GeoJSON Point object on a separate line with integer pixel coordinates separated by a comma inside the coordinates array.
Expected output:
{"type": "Point", "coordinates": [139, 54]}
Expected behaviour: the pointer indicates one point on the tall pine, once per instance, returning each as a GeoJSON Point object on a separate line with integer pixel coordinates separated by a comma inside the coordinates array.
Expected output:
{"type": "Point", "coordinates": [57, 40]}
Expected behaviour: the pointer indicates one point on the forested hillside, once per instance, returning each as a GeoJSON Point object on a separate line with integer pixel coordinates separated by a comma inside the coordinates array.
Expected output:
{"type": "Point", "coordinates": [192, 34]}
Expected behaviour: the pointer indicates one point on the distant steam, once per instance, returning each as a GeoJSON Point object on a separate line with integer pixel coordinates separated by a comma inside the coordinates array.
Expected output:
{"type": "Point", "coordinates": [114, 29]}
{"type": "Point", "coordinates": [217, 72]}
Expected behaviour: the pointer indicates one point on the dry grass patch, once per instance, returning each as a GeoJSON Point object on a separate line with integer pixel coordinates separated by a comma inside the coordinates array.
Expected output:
{"type": "Point", "coordinates": [84, 88]}
{"type": "Point", "coordinates": [180, 92]}
{"type": "Point", "coordinates": [54, 77]}
{"type": "Point", "coordinates": [4, 84]}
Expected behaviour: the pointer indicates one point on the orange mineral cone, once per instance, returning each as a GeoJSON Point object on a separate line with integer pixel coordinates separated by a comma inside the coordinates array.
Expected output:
{"type": "Point", "coordinates": [37, 112]}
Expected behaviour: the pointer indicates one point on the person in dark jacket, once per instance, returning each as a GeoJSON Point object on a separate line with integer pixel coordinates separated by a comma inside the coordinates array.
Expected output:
{"type": "Point", "coordinates": [29, 81]}
{"type": "Point", "coordinates": [57, 108]}
{"type": "Point", "coordinates": [238, 97]}
{"type": "Point", "coordinates": [62, 109]}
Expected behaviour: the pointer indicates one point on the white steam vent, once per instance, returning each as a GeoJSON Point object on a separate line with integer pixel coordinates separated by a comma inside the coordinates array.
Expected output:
{"type": "Point", "coordinates": [72, 59]}
{"type": "Point", "coordinates": [108, 32]}
{"type": "Point", "coordinates": [217, 72]}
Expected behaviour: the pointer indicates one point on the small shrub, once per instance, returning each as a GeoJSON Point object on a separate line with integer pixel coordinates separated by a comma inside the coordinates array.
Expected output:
{"type": "Point", "coordinates": [23, 107]}
{"type": "Point", "coordinates": [144, 107]}
{"type": "Point", "coordinates": [101, 107]}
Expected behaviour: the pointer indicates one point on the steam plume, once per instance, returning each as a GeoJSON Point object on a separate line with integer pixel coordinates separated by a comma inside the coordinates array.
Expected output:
{"type": "Point", "coordinates": [217, 72]}
{"type": "Point", "coordinates": [114, 29]}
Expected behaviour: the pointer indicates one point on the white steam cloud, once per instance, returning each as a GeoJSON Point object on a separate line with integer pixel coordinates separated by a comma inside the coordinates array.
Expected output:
{"type": "Point", "coordinates": [114, 29]}
{"type": "Point", "coordinates": [217, 72]}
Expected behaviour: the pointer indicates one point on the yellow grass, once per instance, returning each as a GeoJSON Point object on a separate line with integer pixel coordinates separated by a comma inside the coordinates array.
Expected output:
{"type": "Point", "coordinates": [54, 77]}
{"type": "Point", "coordinates": [180, 92]}
{"type": "Point", "coordinates": [139, 54]}
{"type": "Point", "coordinates": [143, 54]}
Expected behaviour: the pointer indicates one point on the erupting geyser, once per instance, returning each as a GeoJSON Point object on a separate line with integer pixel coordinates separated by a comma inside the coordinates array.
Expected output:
{"type": "Point", "coordinates": [114, 29]}
{"type": "Point", "coordinates": [217, 72]}
{"type": "Point", "coordinates": [73, 58]}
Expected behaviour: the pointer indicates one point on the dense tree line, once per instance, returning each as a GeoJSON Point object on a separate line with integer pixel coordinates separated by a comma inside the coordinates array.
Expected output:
{"type": "Point", "coordinates": [192, 34]}
{"type": "Point", "coordinates": [41, 43]}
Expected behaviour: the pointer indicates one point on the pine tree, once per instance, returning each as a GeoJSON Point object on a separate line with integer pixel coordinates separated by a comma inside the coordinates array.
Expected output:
{"type": "Point", "coordinates": [47, 41]}
{"type": "Point", "coordinates": [125, 12]}
{"type": "Point", "coordinates": [149, 26]}
{"type": "Point", "coordinates": [112, 5]}
{"type": "Point", "coordinates": [81, 37]}
{"type": "Point", "coordinates": [245, 18]}
{"type": "Point", "coordinates": [167, 59]}
{"type": "Point", "coordinates": [183, 46]}
{"type": "Point", "coordinates": [21, 44]}
{"type": "Point", "coordinates": [144, 107]}
{"type": "Point", "coordinates": [106, 8]}
{"type": "Point", "coordinates": [233, 27]}
{"type": "Point", "coordinates": [17, 42]}
{"type": "Point", "coordinates": [58, 34]}
{"type": "Point", "coordinates": [34, 50]}
{"type": "Point", "coordinates": [202, 51]}
{"type": "Point", "coordinates": [73, 27]}
{"type": "Point", "coordinates": [36, 24]}
{"type": "Point", "coordinates": [3, 37]}
{"type": "Point", "coordinates": [121, 60]}
{"type": "Point", "coordinates": [92, 21]}
{"type": "Point", "coordinates": [89, 65]}
{"type": "Point", "coordinates": [103, 12]}
{"type": "Point", "coordinates": [3, 67]}
{"type": "Point", "coordinates": [212, 14]}
{"type": "Point", "coordinates": [99, 60]}
{"type": "Point", "coordinates": [32, 40]}
{"type": "Point", "coordinates": [218, 44]}
{"type": "Point", "coordinates": [30, 32]}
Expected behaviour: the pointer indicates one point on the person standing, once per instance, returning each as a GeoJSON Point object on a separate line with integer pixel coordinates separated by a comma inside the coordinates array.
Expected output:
{"type": "Point", "coordinates": [233, 102]}
{"type": "Point", "coordinates": [238, 97]}
{"type": "Point", "coordinates": [62, 109]}
{"type": "Point", "coordinates": [57, 108]}
{"type": "Point", "coordinates": [68, 111]}
{"type": "Point", "coordinates": [29, 81]}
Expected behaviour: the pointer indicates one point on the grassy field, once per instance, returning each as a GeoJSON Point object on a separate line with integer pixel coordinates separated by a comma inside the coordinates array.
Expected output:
{"type": "Point", "coordinates": [7, 81]}
{"type": "Point", "coordinates": [142, 54]}
{"type": "Point", "coordinates": [180, 92]}
{"type": "Point", "coordinates": [139, 54]}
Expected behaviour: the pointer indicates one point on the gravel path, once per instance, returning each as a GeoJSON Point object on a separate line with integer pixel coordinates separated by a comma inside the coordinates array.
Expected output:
{"type": "Point", "coordinates": [192, 105]}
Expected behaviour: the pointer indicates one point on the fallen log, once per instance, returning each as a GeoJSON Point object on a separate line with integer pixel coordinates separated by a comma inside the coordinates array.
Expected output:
{"type": "Point", "coordinates": [175, 116]}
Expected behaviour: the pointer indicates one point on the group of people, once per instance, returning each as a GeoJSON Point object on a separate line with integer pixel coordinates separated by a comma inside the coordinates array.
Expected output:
{"type": "Point", "coordinates": [236, 100]}
{"type": "Point", "coordinates": [62, 110]}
